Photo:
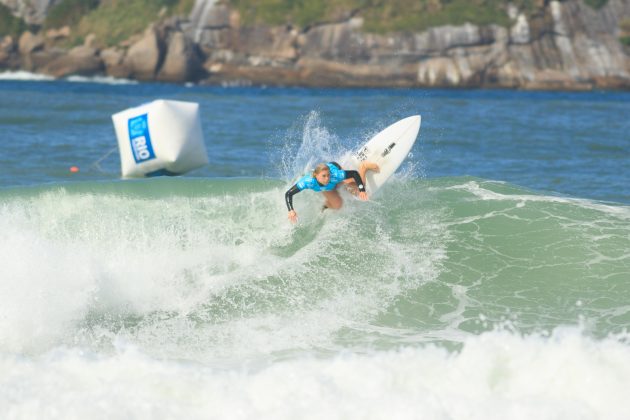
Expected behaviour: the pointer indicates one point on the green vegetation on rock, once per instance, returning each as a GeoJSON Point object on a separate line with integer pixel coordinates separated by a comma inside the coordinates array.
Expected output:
{"type": "Point", "coordinates": [69, 12]}
{"type": "Point", "coordinates": [114, 21]}
{"type": "Point", "coordinates": [596, 4]}
{"type": "Point", "coordinates": [624, 25]}
{"type": "Point", "coordinates": [380, 16]}
{"type": "Point", "coordinates": [301, 13]}
{"type": "Point", "coordinates": [402, 15]}
{"type": "Point", "coordinates": [9, 24]}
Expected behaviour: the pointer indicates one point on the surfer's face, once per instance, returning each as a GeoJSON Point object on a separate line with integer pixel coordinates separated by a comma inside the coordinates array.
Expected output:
{"type": "Point", "coordinates": [323, 177]}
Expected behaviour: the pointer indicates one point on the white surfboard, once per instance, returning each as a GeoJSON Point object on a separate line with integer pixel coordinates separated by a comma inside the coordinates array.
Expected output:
{"type": "Point", "coordinates": [388, 149]}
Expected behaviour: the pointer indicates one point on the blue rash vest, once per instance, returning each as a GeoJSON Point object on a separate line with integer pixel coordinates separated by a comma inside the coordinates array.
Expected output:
{"type": "Point", "coordinates": [309, 182]}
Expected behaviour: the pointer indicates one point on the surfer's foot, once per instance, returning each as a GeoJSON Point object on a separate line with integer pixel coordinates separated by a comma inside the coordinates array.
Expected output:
{"type": "Point", "coordinates": [369, 166]}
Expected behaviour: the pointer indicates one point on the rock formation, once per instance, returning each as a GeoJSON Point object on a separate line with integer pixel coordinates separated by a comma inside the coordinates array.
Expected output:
{"type": "Point", "coordinates": [564, 45]}
{"type": "Point", "coordinates": [82, 60]}
{"type": "Point", "coordinates": [181, 62]}
{"type": "Point", "coordinates": [569, 46]}
{"type": "Point", "coordinates": [145, 55]}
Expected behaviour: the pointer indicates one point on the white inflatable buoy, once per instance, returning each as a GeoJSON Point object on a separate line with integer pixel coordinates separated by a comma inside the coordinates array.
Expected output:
{"type": "Point", "coordinates": [160, 138]}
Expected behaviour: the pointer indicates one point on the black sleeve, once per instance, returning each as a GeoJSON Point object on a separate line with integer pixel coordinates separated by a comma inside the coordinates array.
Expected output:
{"type": "Point", "coordinates": [357, 178]}
{"type": "Point", "coordinates": [288, 196]}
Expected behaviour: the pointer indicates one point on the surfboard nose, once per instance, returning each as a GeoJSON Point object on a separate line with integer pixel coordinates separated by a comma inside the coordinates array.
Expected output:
{"type": "Point", "coordinates": [416, 119]}
{"type": "Point", "coordinates": [412, 122]}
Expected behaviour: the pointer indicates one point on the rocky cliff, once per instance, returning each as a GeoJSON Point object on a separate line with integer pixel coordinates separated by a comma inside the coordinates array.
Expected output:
{"type": "Point", "coordinates": [564, 45]}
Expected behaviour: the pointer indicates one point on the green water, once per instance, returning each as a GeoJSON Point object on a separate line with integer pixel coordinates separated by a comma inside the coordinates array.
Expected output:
{"type": "Point", "coordinates": [182, 266]}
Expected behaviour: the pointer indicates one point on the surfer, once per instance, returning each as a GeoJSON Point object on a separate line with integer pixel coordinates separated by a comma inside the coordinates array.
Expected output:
{"type": "Point", "coordinates": [325, 179]}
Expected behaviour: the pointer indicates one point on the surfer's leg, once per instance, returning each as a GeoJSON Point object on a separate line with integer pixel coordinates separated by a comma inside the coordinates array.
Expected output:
{"type": "Point", "coordinates": [333, 199]}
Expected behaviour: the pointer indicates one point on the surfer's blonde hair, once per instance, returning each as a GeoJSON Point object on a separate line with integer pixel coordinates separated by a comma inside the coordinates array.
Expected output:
{"type": "Point", "coordinates": [320, 168]}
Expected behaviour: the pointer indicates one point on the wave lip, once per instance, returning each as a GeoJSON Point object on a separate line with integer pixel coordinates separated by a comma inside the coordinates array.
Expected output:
{"type": "Point", "coordinates": [477, 189]}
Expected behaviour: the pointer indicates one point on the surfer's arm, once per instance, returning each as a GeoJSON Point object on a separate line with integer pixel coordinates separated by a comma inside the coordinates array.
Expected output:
{"type": "Point", "coordinates": [352, 174]}
{"type": "Point", "coordinates": [288, 196]}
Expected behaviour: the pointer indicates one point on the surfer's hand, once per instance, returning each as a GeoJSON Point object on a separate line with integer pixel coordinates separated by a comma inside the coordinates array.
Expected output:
{"type": "Point", "coordinates": [363, 196]}
{"type": "Point", "coordinates": [293, 216]}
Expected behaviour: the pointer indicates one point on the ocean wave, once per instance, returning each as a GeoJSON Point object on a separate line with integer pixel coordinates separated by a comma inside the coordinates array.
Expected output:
{"type": "Point", "coordinates": [211, 269]}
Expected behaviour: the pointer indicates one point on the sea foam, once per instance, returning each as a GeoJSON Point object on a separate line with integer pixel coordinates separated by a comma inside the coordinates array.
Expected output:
{"type": "Point", "coordinates": [496, 375]}
{"type": "Point", "coordinates": [24, 75]}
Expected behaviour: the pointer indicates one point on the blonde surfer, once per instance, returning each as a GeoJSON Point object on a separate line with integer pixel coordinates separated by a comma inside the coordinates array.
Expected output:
{"type": "Point", "coordinates": [325, 178]}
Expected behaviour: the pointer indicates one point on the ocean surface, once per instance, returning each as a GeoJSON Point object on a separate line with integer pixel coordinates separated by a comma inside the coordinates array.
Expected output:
{"type": "Point", "coordinates": [489, 279]}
